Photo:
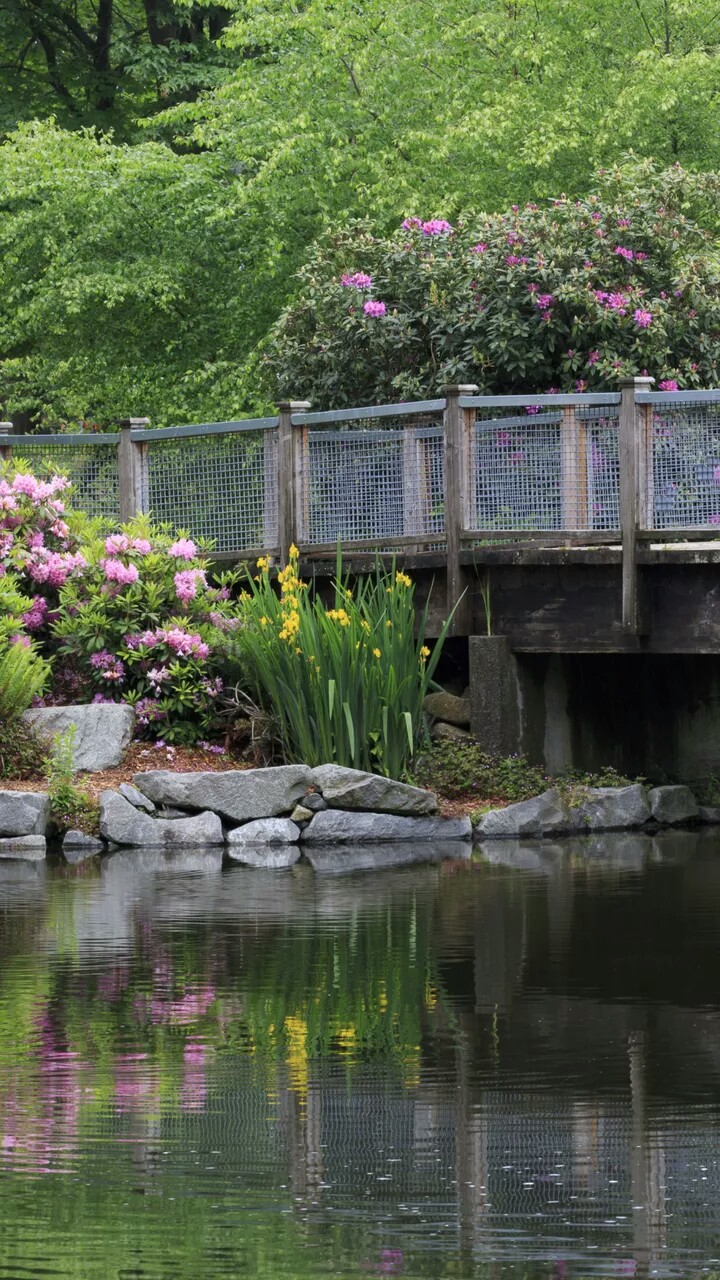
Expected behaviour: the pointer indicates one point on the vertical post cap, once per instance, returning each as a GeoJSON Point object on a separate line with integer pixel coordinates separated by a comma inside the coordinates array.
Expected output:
{"type": "Point", "coordinates": [459, 389]}
{"type": "Point", "coordinates": [292, 406]}
{"type": "Point", "coordinates": [641, 383]}
{"type": "Point", "coordinates": [133, 422]}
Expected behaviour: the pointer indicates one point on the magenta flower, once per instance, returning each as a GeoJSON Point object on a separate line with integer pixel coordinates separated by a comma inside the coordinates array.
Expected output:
{"type": "Point", "coordinates": [412, 224]}
{"type": "Point", "coordinates": [668, 384]}
{"type": "Point", "coordinates": [643, 319]}
{"type": "Point", "coordinates": [543, 301]}
{"type": "Point", "coordinates": [436, 227]}
{"type": "Point", "coordinates": [359, 280]}
{"type": "Point", "coordinates": [374, 309]}
{"type": "Point", "coordinates": [186, 583]}
{"type": "Point", "coordinates": [593, 357]}
{"type": "Point", "coordinates": [512, 260]}
{"type": "Point", "coordinates": [116, 571]}
{"type": "Point", "coordinates": [715, 519]}
{"type": "Point", "coordinates": [479, 248]}
{"type": "Point", "coordinates": [627, 254]}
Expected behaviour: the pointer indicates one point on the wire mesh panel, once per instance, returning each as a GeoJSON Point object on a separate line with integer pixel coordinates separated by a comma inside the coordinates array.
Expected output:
{"type": "Point", "coordinates": [685, 475]}
{"type": "Point", "coordinates": [366, 482]}
{"type": "Point", "coordinates": [221, 486]}
{"type": "Point", "coordinates": [91, 467]}
{"type": "Point", "coordinates": [555, 469]}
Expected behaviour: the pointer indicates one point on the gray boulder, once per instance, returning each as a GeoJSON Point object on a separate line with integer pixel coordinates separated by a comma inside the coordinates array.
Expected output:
{"type": "Point", "coordinates": [238, 794]}
{"type": "Point", "coordinates": [611, 809]}
{"type": "Point", "coordinates": [314, 802]}
{"type": "Point", "coordinates": [381, 857]}
{"type": "Point", "coordinates": [301, 814]}
{"type": "Point", "coordinates": [709, 814]}
{"type": "Point", "coordinates": [136, 798]}
{"type": "Point", "coordinates": [671, 805]}
{"type": "Point", "coordinates": [441, 731]}
{"type": "Point", "coordinates": [352, 789]}
{"type": "Point", "coordinates": [103, 731]}
{"type": "Point", "coordinates": [24, 813]}
{"type": "Point", "coordinates": [264, 831]}
{"type": "Point", "coordinates": [121, 823]}
{"type": "Point", "coordinates": [335, 826]}
{"type": "Point", "coordinates": [449, 708]}
{"type": "Point", "coordinates": [23, 848]}
{"type": "Point", "coordinates": [77, 846]}
{"type": "Point", "coordinates": [546, 812]}
{"type": "Point", "coordinates": [268, 857]}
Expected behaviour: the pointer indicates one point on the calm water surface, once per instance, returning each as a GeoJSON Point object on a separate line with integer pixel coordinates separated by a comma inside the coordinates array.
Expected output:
{"type": "Point", "coordinates": [504, 1068]}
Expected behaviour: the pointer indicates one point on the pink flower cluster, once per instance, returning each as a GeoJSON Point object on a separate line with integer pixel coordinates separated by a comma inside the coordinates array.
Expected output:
{"type": "Point", "coordinates": [617, 301]}
{"type": "Point", "coordinates": [479, 248]}
{"type": "Point", "coordinates": [117, 571]}
{"type": "Point", "coordinates": [187, 582]}
{"type": "Point", "coordinates": [183, 549]}
{"type": "Point", "coordinates": [54, 567]}
{"type": "Point", "coordinates": [36, 614]}
{"type": "Point", "coordinates": [183, 643]}
{"type": "Point", "coordinates": [513, 260]}
{"type": "Point", "coordinates": [358, 280]}
{"type": "Point", "coordinates": [668, 384]}
{"type": "Point", "coordinates": [433, 227]}
{"type": "Point", "coordinates": [38, 491]}
{"type": "Point", "coordinates": [110, 667]}
{"type": "Point", "coordinates": [120, 543]}
{"type": "Point", "coordinates": [643, 319]}
{"type": "Point", "coordinates": [543, 301]}
{"type": "Point", "coordinates": [374, 309]}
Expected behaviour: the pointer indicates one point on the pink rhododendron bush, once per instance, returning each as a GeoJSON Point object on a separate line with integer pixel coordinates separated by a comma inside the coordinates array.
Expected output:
{"type": "Point", "coordinates": [569, 296]}
{"type": "Point", "coordinates": [126, 616]}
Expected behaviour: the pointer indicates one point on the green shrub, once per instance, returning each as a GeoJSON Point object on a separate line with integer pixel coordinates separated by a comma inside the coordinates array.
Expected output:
{"type": "Point", "coordinates": [23, 676]}
{"type": "Point", "coordinates": [345, 684]}
{"type": "Point", "coordinates": [456, 769]}
{"type": "Point", "coordinates": [23, 755]}
{"type": "Point", "coordinates": [71, 806]}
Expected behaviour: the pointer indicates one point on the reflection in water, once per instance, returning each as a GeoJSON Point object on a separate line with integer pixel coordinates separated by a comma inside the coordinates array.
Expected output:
{"type": "Point", "coordinates": [509, 1066]}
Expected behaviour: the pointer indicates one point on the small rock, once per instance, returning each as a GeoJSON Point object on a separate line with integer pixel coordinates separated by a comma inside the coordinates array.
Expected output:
{"type": "Point", "coordinates": [335, 826]}
{"type": "Point", "coordinates": [268, 857]}
{"type": "Point", "coordinates": [264, 831]}
{"type": "Point", "coordinates": [314, 801]}
{"type": "Point", "coordinates": [168, 811]}
{"type": "Point", "coordinates": [301, 814]}
{"type": "Point", "coordinates": [136, 797]}
{"type": "Point", "coordinates": [546, 812]}
{"type": "Point", "coordinates": [710, 814]}
{"type": "Point", "coordinates": [23, 848]}
{"type": "Point", "coordinates": [671, 805]}
{"type": "Point", "coordinates": [24, 813]}
{"type": "Point", "coordinates": [103, 731]}
{"type": "Point", "coordinates": [237, 794]}
{"type": "Point", "coordinates": [122, 824]}
{"type": "Point", "coordinates": [449, 708]}
{"type": "Point", "coordinates": [353, 789]}
{"type": "Point", "coordinates": [442, 732]}
{"type": "Point", "coordinates": [77, 846]}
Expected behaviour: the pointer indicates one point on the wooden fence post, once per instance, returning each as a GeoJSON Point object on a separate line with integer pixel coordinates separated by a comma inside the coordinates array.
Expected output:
{"type": "Point", "coordinates": [289, 477]}
{"type": "Point", "coordinates": [5, 449]}
{"type": "Point", "coordinates": [573, 470]}
{"type": "Point", "coordinates": [457, 446]}
{"type": "Point", "coordinates": [130, 469]}
{"type": "Point", "coordinates": [633, 483]}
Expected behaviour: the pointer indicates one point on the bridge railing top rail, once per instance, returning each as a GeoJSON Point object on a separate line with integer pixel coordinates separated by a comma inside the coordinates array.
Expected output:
{"type": "Point", "coordinates": [364, 412]}
{"type": "Point", "coordinates": [558, 401]}
{"type": "Point", "coordinates": [678, 397]}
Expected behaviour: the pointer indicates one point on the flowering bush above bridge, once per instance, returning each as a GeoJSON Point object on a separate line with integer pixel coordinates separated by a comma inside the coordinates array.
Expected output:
{"type": "Point", "coordinates": [567, 297]}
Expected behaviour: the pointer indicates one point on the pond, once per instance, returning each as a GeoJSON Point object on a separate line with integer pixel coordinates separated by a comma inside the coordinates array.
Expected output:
{"type": "Point", "coordinates": [509, 1067]}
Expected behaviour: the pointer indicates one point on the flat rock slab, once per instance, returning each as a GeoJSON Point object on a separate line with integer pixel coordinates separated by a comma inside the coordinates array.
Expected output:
{"type": "Point", "coordinates": [352, 789]}
{"type": "Point", "coordinates": [103, 731]}
{"type": "Point", "coordinates": [24, 848]}
{"type": "Point", "coordinates": [264, 831]}
{"type": "Point", "coordinates": [671, 805]}
{"type": "Point", "coordinates": [335, 826]}
{"type": "Point", "coordinates": [24, 813]}
{"type": "Point", "coordinates": [238, 794]}
{"type": "Point", "coordinates": [710, 814]}
{"type": "Point", "coordinates": [381, 857]}
{"type": "Point", "coordinates": [268, 857]}
{"type": "Point", "coordinates": [546, 812]}
{"type": "Point", "coordinates": [611, 809]}
{"type": "Point", "coordinates": [136, 798]}
{"type": "Point", "coordinates": [122, 824]}
{"type": "Point", "coordinates": [77, 846]}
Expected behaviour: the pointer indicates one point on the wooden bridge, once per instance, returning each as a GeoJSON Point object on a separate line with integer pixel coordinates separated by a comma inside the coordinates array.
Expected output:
{"type": "Point", "coordinates": [568, 523]}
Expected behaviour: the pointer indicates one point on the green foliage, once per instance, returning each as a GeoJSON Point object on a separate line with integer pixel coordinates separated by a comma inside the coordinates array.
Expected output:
{"type": "Point", "coordinates": [569, 297]}
{"type": "Point", "coordinates": [73, 808]}
{"type": "Point", "coordinates": [344, 684]}
{"type": "Point", "coordinates": [23, 676]}
{"type": "Point", "coordinates": [454, 769]}
{"type": "Point", "coordinates": [23, 756]}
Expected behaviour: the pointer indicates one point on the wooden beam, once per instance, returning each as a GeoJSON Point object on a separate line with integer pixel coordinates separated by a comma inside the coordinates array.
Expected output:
{"type": "Point", "coordinates": [633, 481]}
{"type": "Point", "coordinates": [457, 502]}
{"type": "Point", "coordinates": [286, 475]}
{"type": "Point", "coordinates": [130, 484]}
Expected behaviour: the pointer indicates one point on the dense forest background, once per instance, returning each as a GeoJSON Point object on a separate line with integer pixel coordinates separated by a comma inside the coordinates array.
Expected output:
{"type": "Point", "coordinates": [167, 167]}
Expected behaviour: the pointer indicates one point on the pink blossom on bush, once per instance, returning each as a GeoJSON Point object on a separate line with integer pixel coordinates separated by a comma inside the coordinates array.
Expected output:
{"type": "Point", "coordinates": [142, 546]}
{"type": "Point", "coordinates": [374, 309]}
{"type": "Point", "coordinates": [593, 357]}
{"type": "Point", "coordinates": [358, 280]}
{"type": "Point", "coordinates": [411, 224]}
{"type": "Point", "coordinates": [187, 582]}
{"type": "Point", "coordinates": [183, 549]}
{"type": "Point", "coordinates": [643, 319]}
{"type": "Point", "coordinates": [35, 616]}
{"type": "Point", "coordinates": [436, 227]}
{"type": "Point", "coordinates": [117, 571]}
{"type": "Point", "coordinates": [668, 384]}
{"type": "Point", "coordinates": [117, 543]}
{"type": "Point", "coordinates": [543, 301]}
{"type": "Point", "coordinates": [627, 254]}
{"type": "Point", "coordinates": [479, 248]}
